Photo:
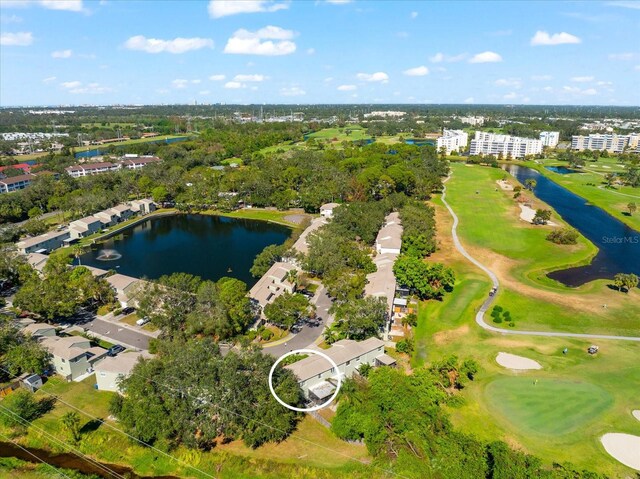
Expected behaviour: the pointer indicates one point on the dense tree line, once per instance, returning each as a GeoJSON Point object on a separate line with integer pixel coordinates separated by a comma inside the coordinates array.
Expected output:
{"type": "Point", "coordinates": [402, 421]}
{"type": "Point", "coordinates": [183, 305]}
{"type": "Point", "coordinates": [61, 290]}
{"type": "Point", "coordinates": [19, 352]}
{"type": "Point", "coordinates": [192, 395]}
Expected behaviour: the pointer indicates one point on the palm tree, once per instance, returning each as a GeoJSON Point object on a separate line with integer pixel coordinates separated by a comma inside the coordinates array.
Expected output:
{"type": "Point", "coordinates": [78, 250]}
{"type": "Point", "coordinates": [292, 277]}
{"type": "Point", "coordinates": [71, 422]}
{"type": "Point", "coordinates": [530, 184]}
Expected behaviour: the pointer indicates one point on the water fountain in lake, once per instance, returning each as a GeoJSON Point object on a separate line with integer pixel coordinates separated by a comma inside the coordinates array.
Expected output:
{"type": "Point", "coordinates": [108, 255]}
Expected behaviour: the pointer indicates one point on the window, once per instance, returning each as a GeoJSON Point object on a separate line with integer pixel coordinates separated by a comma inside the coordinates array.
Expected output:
{"type": "Point", "coordinates": [348, 362]}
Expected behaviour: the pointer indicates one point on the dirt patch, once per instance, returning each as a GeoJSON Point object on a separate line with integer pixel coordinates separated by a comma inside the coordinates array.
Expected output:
{"type": "Point", "coordinates": [296, 219]}
{"type": "Point", "coordinates": [527, 214]}
{"type": "Point", "coordinates": [443, 337]}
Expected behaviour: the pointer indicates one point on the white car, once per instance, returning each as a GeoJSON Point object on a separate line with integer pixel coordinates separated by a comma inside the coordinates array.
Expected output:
{"type": "Point", "coordinates": [142, 321]}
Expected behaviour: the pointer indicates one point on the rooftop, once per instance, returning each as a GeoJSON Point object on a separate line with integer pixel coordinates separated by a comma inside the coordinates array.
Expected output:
{"type": "Point", "coordinates": [122, 363]}
{"type": "Point", "coordinates": [301, 243]}
{"type": "Point", "coordinates": [12, 180]}
{"type": "Point", "coordinates": [120, 281]}
{"type": "Point", "coordinates": [341, 352]}
{"type": "Point", "coordinates": [27, 242]}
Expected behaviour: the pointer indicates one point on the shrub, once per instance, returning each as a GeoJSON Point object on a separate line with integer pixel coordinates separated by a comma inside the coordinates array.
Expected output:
{"type": "Point", "coordinates": [405, 346]}
{"type": "Point", "coordinates": [497, 319]}
{"type": "Point", "coordinates": [266, 334]}
{"type": "Point", "coordinates": [497, 308]}
{"type": "Point", "coordinates": [563, 236]}
{"type": "Point", "coordinates": [512, 324]}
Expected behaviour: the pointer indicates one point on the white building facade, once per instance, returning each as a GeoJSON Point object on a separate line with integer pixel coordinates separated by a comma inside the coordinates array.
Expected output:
{"type": "Point", "coordinates": [550, 138]}
{"type": "Point", "coordinates": [610, 142]}
{"type": "Point", "coordinates": [508, 146]}
{"type": "Point", "coordinates": [453, 140]}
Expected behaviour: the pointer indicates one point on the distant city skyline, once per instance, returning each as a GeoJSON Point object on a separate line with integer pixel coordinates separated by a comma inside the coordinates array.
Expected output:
{"type": "Point", "coordinates": [74, 52]}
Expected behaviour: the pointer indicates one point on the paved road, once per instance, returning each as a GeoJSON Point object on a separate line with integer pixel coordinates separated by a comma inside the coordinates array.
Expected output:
{"type": "Point", "coordinates": [494, 280]}
{"type": "Point", "coordinates": [309, 334]}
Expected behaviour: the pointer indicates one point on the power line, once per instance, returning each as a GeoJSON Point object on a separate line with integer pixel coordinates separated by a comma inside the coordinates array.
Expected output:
{"type": "Point", "coordinates": [58, 441]}
{"type": "Point", "coordinates": [120, 430]}
{"type": "Point", "coordinates": [60, 473]}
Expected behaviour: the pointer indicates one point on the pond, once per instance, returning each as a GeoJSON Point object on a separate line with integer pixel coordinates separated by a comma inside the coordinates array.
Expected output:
{"type": "Point", "coordinates": [561, 170]}
{"type": "Point", "coordinates": [618, 244]}
{"type": "Point", "coordinates": [109, 148]}
{"type": "Point", "coordinates": [207, 246]}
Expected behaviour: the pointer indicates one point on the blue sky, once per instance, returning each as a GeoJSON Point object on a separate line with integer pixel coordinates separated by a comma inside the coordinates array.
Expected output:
{"type": "Point", "coordinates": [115, 51]}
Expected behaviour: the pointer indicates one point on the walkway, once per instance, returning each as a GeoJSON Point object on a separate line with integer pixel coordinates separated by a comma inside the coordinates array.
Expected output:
{"type": "Point", "coordinates": [494, 279]}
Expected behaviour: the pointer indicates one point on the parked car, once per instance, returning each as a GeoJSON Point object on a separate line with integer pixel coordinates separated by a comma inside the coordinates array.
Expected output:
{"type": "Point", "coordinates": [128, 310]}
{"type": "Point", "coordinates": [142, 321]}
{"type": "Point", "coordinates": [114, 350]}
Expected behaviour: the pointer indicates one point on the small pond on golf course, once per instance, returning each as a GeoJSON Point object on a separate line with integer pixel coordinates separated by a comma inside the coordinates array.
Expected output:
{"type": "Point", "coordinates": [618, 244]}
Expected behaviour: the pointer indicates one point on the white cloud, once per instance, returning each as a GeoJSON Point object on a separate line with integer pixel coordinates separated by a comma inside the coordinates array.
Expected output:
{"type": "Point", "coordinates": [486, 57]}
{"type": "Point", "coordinates": [574, 90]}
{"type": "Point", "coordinates": [469, 100]}
{"type": "Point", "coordinates": [196, 81]}
{"type": "Point", "coordinates": [7, 19]}
{"type": "Point", "coordinates": [311, 51]}
{"type": "Point", "coordinates": [510, 96]}
{"type": "Point", "coordinates": [625, 4]}
{"type": "Point", "coordinates": [18, 39]}
{"type": "Point", "coordinates": [584, 79]}
{"type": "Point", "coordinates": [234, 85]}
{"type": "Point", "coordinates": [179, 83]}
{"type": "Point", "coordinates": [177, 45]}
{"type": "Point", "coordinates": [224, 8]}
{"type": "Point", "coordinates": [292, 91]}
{"type": "Point", "coordinates": [637, 68]}
{"type": "Point", "coordinates": [339, 2]}
{"type": "Point", "coordinates": [604, 83]}
{"type": "Point", "coordinates": [543, 38]}
{"type": "Point", "coordinates": [61, 54]}
{"type": "Point", "coordinates": [77, 87]}
{"type": "Point", "coordinates": [252, 78]}
{"type": "Point", "coordinates": [414, 15]}
{"type": "Point", "coordinates": [204, 92]}
{"type": "Point", "coordinates": [217, 77]}
{"type": "Point", "coordinates": [508, 82]}
{"type": "Point", "coordinates": [70, 5]}
{"type": "Point", "coordinates": [328, 79]}
{"type": "Point", "coordinates": [417, 71]}
{"type": "Point", "coordinates": [441, 57]}
{"type": "Point", "coordinates": [548, 88]}
{"type": "Point", "coordinates": [261, 42]}
{"type": "Point", "coordinates": [347, 88]}
{"type": "Point", "coordinates": [48, 79]}
{"type": "Point", "coordinates": [621, 56]}
{"type": "Point", "coordinates": [373, 77]}
{"type": "Point", "coordinates": [541, 77]}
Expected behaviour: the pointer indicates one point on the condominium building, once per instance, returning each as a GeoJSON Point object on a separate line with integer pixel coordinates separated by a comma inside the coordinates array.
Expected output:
{"type": "Point", "coordinates": [452, 140]}
{"type": "Point", "coordinates": [15, 183]}
{"type": "Point", "coordinates": [91, 169]}
{"type": "Point", "coordinates": [610, 142]}
{"type": "Point", "coordinates": [472, 120]}
{"type": "Point", "coordinates": [550, 138]}
{"type": "Point", "coordinates": [509, 146]}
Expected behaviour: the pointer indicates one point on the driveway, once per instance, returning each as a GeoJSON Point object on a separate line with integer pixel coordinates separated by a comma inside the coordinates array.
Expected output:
{"type": "Point", "coordinates": [116, 333]}
{"type": "Point", "coordinates": [308, 334]}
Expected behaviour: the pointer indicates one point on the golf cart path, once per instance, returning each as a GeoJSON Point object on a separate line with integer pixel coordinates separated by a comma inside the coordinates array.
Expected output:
{"type": "Point", "coordinates": [494, 279]}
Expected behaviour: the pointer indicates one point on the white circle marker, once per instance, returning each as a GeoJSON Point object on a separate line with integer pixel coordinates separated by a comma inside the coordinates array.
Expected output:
{"type": "Point", "coordinates": [308, 351]}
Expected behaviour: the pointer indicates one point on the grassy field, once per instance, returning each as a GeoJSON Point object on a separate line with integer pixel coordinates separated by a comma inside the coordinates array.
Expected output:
{"type": "Point", "coordinates": [589, 184]}
{"type": "Point", "coordinates": [551, 422]}
{"type": "Point", "coordinates": [128, 142]}
{"type": "Point", "coordinates": [272, 216]}
{"type": "Point", "coordinates": [321, 453]}
{"type": "Point", "coordinates": [521, 256]}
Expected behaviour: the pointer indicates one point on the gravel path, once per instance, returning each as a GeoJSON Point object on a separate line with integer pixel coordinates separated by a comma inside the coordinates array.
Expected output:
{"type": "Point", "coordinates": [496, 284]}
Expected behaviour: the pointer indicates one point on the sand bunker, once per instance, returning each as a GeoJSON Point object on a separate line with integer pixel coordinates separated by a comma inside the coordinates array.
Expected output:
{"type": "Point", "coordinates": [636, 414]}
{"type": "Point", "coordinates": [511, 361]}
{"type": "Point", "coordinates": [624, 448]}
{"type": "Point", "coordinates": [527, 214]}
{"type": "Point", "coordinates": [504, 185]}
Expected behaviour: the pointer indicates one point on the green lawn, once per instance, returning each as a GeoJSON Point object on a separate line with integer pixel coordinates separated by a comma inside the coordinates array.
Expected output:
{"type": "Point", "coordinates": [546, 406]}
{"type": "Point", "coordinates": [160, 138]}
{"type": "Point", "coordinates": [609, 378]}
{"type": "Point", "coordinates": [589, 185]}
{"type": "Point", "coordinates": [272, 216]}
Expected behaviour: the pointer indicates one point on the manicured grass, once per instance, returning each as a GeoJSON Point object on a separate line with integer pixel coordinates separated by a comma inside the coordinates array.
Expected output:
{"type": "Point", "coordinates": [519, 253]}
{"type": "Point", "coordinates": [449, 327]}
{"type": "Point", "coordinates": [258, 214]}
{"type": "Point", "coordinates": [340, 134]}
{"type": "Point", "coordinates": [589, 184]}
{"type": "Point", "coordinates": [158, 139]}
{"type": "Point", "coordinates": [547, 406]}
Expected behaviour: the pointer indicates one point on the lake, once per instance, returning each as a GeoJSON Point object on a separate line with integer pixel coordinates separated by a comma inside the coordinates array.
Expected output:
{"type": "Point", "coordinates": [561, 170]}
{"type": "Point", "coordinates": [207, 246]}
{"type": "Point", "coordinates": [618, 244]}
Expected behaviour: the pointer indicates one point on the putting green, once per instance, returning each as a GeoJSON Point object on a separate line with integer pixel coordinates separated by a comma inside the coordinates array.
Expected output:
{"type": "Point", "coordinates": [548, 406]}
